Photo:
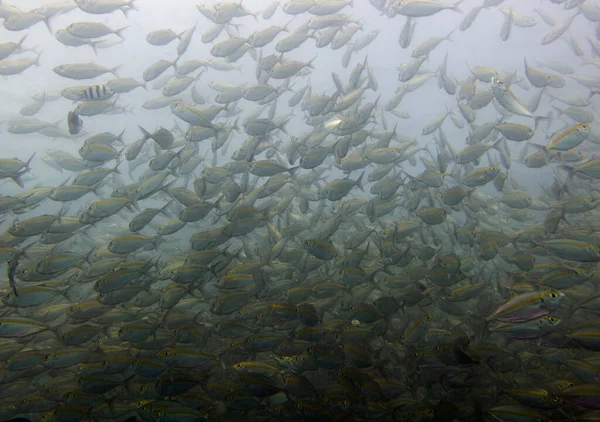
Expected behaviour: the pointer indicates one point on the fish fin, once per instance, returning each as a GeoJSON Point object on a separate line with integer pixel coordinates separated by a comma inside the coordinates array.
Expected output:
{"type": "Point", "coordinates": [147, 135]}
{"type": "Point", "coordinates": [17, 179]}
{"type": "Point", "coordinates": [359, 181]}
{"type": "Point", "coordinates": [47, 23]}
{"type": "Point", "coordinates": [118, 31]}
{"type": "Point", "coordinates": [455, 6]}
{"type": "Point", "coordinates": [164, 209]}
{"type": "Point", "coordinates": [114, 70]}
{"type": "Point", "coordinates": [538, 118]}
{"type": "Point", "coordinates": [570, 171]}
{"type": "Point", "coordinates": [129, 7]}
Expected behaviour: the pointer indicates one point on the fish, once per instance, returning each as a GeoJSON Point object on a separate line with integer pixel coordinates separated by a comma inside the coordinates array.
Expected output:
{"type": "Point", "coordinates": [161, 37]}
{"type": "Point", "coordinates": [75, 122]}
{"type": "Point", "coordinates": [299, 236]}
{"type": "Point", "coordinates": [80, 71]}
{"type": "Point", "coordinates": [92, 30]}
{"type": "Point", "coordinates": [558, 29]}
{"type": "Point", "coordinates": [507, 99]}
{"type": "Point", "coordinates": [11, 267]}
{"type": "Point", "coordinates": [569, 138]}
{"type": "Point", "coordinates": [91, 93]}
{"type": "Point", "coordinates": [422, 8]}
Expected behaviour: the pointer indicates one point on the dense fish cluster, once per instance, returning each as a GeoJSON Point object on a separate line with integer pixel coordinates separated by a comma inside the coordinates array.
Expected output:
{"type": "Point", "coordinates": [241, 233]}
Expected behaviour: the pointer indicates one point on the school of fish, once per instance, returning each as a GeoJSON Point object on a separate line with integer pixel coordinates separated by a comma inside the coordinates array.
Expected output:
{"type": "Point", "coordinates": [282, 249]}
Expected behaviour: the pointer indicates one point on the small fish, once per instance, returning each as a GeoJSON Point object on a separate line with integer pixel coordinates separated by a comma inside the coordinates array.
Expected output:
{"type": "Point", "coordinates": [18, 327]}
{"type": "Point", "coordinates": [422, 8]}
{"type": "Point", "coordinates": [528, 306]}
{"type": "Point", "coordinates": [11, 266]}
{"type": "Point", "coordinates": [92, 30]}
{"type": "Point", "coordinates": [559, 29]}
{"type": "Point", "coordinates": [75, 123]}
{"type": "Point", "coordinates": [507, 99]}
{"type": "Point", "coordinates": [569, 138]}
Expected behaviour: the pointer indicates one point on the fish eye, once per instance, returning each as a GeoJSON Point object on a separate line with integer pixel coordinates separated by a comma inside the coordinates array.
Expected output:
{"type": "Point", "coordinates": [553, 296]}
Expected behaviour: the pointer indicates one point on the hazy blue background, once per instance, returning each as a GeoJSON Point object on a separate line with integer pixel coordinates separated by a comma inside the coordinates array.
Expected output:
{"type": "Point", "coordinates": [480, 45]}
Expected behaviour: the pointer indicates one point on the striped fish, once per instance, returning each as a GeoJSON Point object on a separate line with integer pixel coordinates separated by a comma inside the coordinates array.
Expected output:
{"type": "Point", "coordinates": [97, 93]}
{"type": "Point", "coordinates": [88, 93]}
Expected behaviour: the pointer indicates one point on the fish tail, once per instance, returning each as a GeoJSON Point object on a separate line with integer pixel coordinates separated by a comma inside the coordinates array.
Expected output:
{"type": "Point", "coordinates": [47, 23]}
{"type": "Point", "coordinates": [29, 161]}
{"type": "Point", "coordinates": [570, 171]}
{"type": "Point", "coordinates": [17, 179]}
{"type": "Point", "coordinates": [13, 284]}
{"type": "Point", "coordinates": [94, 47]}
{"type": "Point", "coordinates": [119, 31]}
{"type": "Point", "coordinates": [537, 119]}
{"type": "Point", "coordinates": [455, 6]}
{"type": "Point", "coordinates": [37, 59]}
{"type": "Point", "coordinates": [89, 255]}
{"type": "Point", "coordinates": [359, 181]}
{"type": "Point", "coordinates": [20, 42]}
{"type": "Point", "coordinates": [164, 209]}
{"type": "Point", "coordinates": [114, 70]}
{"type": "Point", "coordinates": [130, 6]}
{"type": "Point", "coordinates": [147, 135]}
